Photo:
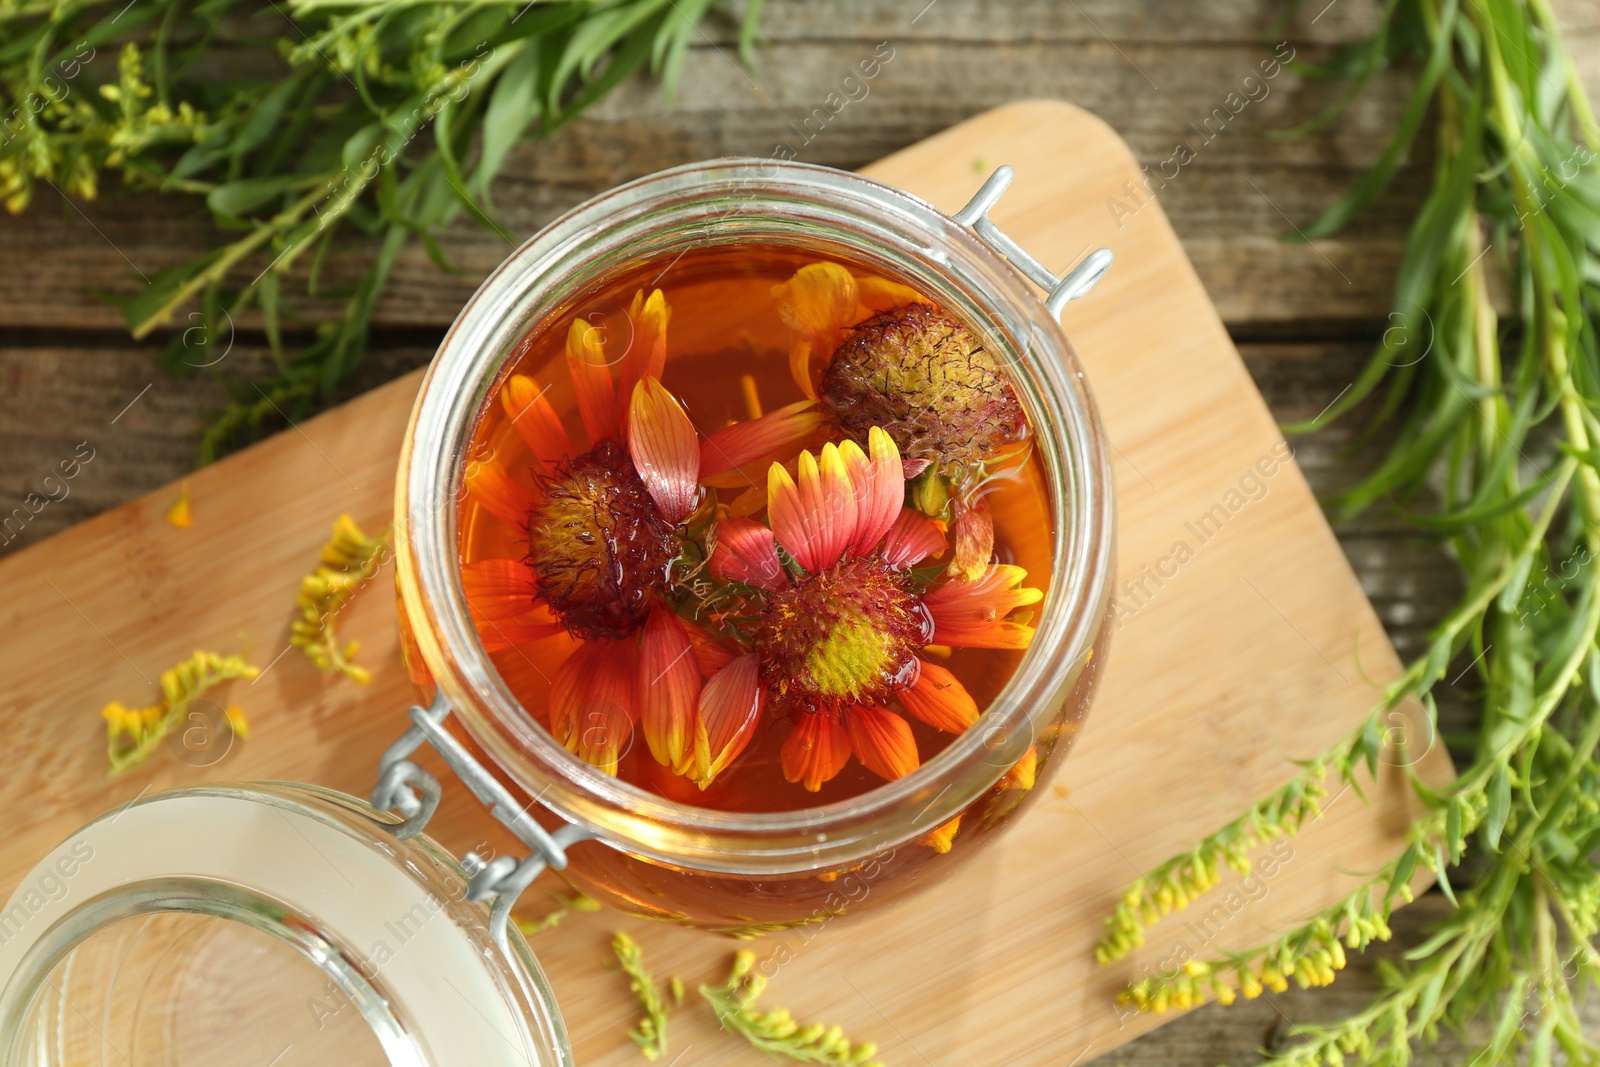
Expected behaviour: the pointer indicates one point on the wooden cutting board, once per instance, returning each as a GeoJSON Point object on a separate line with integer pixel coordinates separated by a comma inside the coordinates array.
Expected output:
{"type": "Point", "coordinates": [1243, 642]}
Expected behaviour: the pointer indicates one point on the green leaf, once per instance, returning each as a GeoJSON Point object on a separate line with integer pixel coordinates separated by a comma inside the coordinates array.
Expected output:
{"type": "Point", "coordinates": [1494, 821]}
{"type": "Point", "coordinates": [240, 198]}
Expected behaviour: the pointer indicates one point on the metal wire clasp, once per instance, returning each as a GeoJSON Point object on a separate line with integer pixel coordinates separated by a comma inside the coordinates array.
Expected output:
{"type": "Point", "coordinates": [406, 788]}
{"type": "Point", "coordinates": [1075, 283]}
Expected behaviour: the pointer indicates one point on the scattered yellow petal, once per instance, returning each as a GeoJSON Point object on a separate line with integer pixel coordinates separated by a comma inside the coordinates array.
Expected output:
{"type": "Point", "coordinates": [942, 839]}
{"type": "Point", "coordinates": [178, 514]}
{"type": "Point", "coordinates": [237, 722]}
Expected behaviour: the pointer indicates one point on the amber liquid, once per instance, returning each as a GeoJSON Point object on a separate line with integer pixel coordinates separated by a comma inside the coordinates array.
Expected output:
{"type": "Point", "coordinates": [725, 345]}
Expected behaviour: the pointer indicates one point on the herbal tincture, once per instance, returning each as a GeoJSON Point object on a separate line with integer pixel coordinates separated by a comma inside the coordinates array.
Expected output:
{"type": "Point", "coordinates": [756, 532]}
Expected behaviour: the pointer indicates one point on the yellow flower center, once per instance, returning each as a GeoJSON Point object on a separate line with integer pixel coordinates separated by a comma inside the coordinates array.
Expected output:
{"type": "Point", "coordinates": [847, 635]}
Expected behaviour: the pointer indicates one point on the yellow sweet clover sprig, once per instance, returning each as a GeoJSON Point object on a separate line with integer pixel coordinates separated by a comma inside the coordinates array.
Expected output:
{"type": "Point", "coordinates": [775, 1032]}
{"type": "Point", "coordinates": [565, 906]}
{"type": "Point", "coordinates": [651, 1034]}
{"type": "Point", "coordinates": [133, 733]}
{"type": "Point", "coordinates": [348, 561]}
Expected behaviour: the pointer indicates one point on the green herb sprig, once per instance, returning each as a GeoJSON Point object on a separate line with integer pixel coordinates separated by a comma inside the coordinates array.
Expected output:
{"type": "Point", "coordinates": [370, 124]}
{"type": "Point", "coordinates": [776, 1032]}
{"type": "Point", "coordinates": [1498, 419]}
{"type": "Point", "coordinates": [651, 1033]}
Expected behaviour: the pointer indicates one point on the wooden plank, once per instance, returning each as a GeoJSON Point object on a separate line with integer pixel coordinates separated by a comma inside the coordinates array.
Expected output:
{"type": "Point", "coordinates": [1246, 658]}
{"type": "Point", "coordinates": [1155, 70]}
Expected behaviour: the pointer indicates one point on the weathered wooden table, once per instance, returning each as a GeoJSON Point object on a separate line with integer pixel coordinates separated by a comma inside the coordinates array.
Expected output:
{"type": "Point", "coordinates": [1159, 71]}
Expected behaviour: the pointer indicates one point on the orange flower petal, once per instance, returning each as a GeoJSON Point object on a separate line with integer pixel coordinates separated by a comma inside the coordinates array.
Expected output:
{"type": "Point", "coordinates": [777, 434]}
{"type": "Point", "coordinates": [880, 294]}
{"type": "Point", "coordinates": [535, 420]}
{"type": "Point", "coordinates": [817, 750]}
{"type": "Point", "coordinates": [913, 538]}
{"type": "Point", "coordinates": [506, 500]}
{"type": "Point", "coordinates": [882, 741]}
{"type": "Point", "coordinates": [669, 689]}
{"type": "Point", "coordinates": [499, 589]}
{"type": "Point", "coordinates": [646, 356]}
{"type": "Point", "coordinates": [939, 699]}
{"type": "Point", "coordinates": [817, 303]}
{"type": "Point", "coordinates": [879, 487]}
{"type": "Point", "coordinates": [709, 650]}
{"type": "Point", "coordinates": [746, 552]}
{"type": "Point", "coordinates": [516, 633]}
{"type": "Point", "coordinates": [730, 708]}
{"type": "Point", "coordinates": [591, 376]}
{"type": "Point", "coordinates": [593, 702]}
{"type": "Point", "coordinates": [665, 448]}
{"type": "Point", "coordinates": [972, 614]}
{"type": "Point", "coordinates": [813, 514]}
{"type": "Point", "coordinates": [974, 535]}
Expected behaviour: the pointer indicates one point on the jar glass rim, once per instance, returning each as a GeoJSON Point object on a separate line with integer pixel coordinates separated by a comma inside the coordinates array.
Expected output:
{"type": "Point", "coordinates": [531, 284]}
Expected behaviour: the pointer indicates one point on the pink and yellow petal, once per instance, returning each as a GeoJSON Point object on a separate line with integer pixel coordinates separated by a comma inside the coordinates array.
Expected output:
{"type": "Point", "coordinates": [813, 514]}
{"type": "Point", "coordinates": [913, 538]}
{"type": "Point", "coordinates": [972, 614]}
{"type": "Point", "coordinates": [665, 449]}
{"type": "Point", "coordinates": [776, 435]}
{"type": "Point", "coordinates": [597, 709]}
{"type": "Point", "coordinates": [499, 589]}
{"type": "Point", "coordinates": [669, 689]}
{"type": "Point", "coordinates": [816, 304]}
{"type": "Point", "coordinates": [647, 344]}
{"type": "Point", "coordinates": [730, 708]}
{"type": "Point", "coordinates": [878, 485]}
{"type": "Point", "coordinates": [746, 552]}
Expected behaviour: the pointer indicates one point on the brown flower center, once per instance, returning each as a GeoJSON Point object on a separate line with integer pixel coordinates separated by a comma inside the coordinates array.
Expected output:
{"type": "Point", "coordinates": [927, 380]}
{"type": "Point", "coordinates": [847, 635]}
{"type": "Point", "coordinates": [598, 548]}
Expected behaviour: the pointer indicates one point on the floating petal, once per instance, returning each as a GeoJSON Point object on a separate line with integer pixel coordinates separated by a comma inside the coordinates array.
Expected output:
{"type": "Point", "coordinates": [913, 538]}
{"type": "Point", "coordinates": [669, 689]}
{"type": "Point", "coordinates": [817, 303]}
{"type": "Point", "coordinates": [746, 552]}
{"type": "Point", "coordinates": [730, 708]}
{"type": "Point", "coordinates": [880, 294]}
{"type": "Point", "coordinates": [817, 750]}
{"type": "Point", "coordinates": [882, 741]}
{"type": "Point", "coordinates": [775, 435]}
{"type": "Point", "coordinates": [665, 449]}
{"type": "Point", "coordinates": [974, 536]}
{"type": "Point", "coordinates": [940, 700]}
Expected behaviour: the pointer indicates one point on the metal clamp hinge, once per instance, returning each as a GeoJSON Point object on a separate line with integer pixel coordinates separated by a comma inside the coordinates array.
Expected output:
{"type": "Point", "coordinates": [1076, 282]}
{"type": "Point", "coordinates": [406, 788]}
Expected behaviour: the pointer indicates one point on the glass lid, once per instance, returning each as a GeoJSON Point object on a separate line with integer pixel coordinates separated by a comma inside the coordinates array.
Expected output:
{"type": "Point", "coordinates": [270, 925]}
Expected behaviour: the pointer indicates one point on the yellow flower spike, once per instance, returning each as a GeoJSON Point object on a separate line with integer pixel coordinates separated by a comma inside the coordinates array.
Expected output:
{"type": "Point", "coordinates": [1224, 994]}
{"type": "Point", "coordinates": [179, 514]}
{"type": "Point", "coordinates": [346, 562]}
{"type": "Point", "coordinates": [131, 736]}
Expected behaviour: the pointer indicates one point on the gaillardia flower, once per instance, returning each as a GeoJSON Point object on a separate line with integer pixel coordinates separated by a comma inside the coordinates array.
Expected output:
{"type": "Point", "coordinates": [837, 620]}
{"type": "Point", "coordinates": [875, 354]}
{"type": "Point", "coordinates": [604, 528]}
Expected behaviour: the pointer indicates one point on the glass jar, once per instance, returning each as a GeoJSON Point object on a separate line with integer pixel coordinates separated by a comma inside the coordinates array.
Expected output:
{"type": "Point", "coordinates": [745, 872]}
{"type": "Point", "coordinates": [267, 924]}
